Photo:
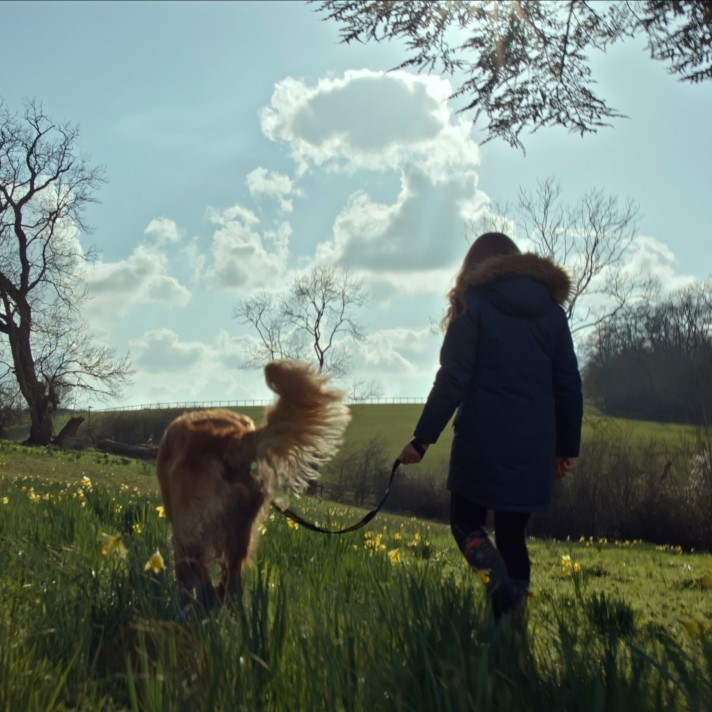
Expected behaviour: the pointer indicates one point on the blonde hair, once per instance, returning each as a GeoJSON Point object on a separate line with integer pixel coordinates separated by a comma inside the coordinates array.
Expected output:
{"type": "Point", "coordinates": [490, 244]}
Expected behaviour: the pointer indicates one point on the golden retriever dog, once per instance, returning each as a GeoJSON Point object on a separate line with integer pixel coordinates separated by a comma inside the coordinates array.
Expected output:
{"type": "Point", "coordinates": [217, 473]}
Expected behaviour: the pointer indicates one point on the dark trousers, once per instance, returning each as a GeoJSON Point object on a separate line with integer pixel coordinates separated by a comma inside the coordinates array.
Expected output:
{"type": "Point", "coordinates": [509, 530]}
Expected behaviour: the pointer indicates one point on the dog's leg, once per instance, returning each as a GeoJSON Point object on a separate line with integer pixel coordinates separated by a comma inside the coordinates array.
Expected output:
{"type": "Point", "coordinates": [192, 572]}
{"type": "Point", "coordinates": [233, 560]}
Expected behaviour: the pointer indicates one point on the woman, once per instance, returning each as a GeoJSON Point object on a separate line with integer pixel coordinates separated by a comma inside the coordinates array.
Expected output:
{"type": "Point", "coordinates": [508, 366]}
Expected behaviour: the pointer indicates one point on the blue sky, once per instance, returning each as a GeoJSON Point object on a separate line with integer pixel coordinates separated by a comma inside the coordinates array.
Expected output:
{"type": "Point", "coordinates": [242, 143]}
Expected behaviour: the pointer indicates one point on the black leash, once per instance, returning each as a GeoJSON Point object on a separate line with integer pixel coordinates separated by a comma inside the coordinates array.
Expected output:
{"type": "Point", "coordinates": [362, 523]}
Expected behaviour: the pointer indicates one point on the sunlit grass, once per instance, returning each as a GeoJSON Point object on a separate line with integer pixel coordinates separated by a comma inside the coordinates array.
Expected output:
{"type": "Point", "coordinates": [384, 618]}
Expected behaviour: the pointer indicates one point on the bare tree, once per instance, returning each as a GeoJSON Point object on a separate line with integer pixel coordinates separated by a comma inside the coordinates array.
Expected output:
{"type": "Point", "coordinates": [44, 188]}
{"type": "Point", "coordinates": [308, 321]}
{"type": "Point", "coordinates": [362, 390]}
{"type": "Point", "coordinates": [526, 62]}
{"type": "Point", "coordinates": [591, 238]}
{"type": "Point", "coordinates": [277, 338]}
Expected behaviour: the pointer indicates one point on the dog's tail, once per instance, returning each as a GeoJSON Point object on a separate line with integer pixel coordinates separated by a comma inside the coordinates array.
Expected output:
{"type": "Point", "coordinates": [304, 427]}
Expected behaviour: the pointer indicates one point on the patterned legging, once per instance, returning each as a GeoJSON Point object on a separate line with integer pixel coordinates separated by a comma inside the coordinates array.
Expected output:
{"type": "Point", "coordinates": [509, 529]}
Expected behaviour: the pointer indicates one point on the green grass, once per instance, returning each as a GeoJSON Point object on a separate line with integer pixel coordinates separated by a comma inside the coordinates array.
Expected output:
{"type": "Point", "coordinates": [53, 464]}
{"type": "Point", "coordinates": [392, 425]}
{"type": "Point", "coordinates": [387, 618]}
{"type": "Point", "coordinates": [640, 431]}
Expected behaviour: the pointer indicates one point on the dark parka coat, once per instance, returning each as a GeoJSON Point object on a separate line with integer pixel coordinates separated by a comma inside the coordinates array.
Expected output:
{"type": "Point", "coordinates": [508, 366]}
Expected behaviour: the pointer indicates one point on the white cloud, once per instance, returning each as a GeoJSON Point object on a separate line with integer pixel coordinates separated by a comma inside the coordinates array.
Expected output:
{"type": "Point", "coordinates": [171, 369]}
{"type": "Point", "coordinates": [371, 120]}
{"type": "Point", "coordinates": [648, 255]}
{"type": "Point", "coordinates": [160, 350]}
{"type": "Point", "coordinates": [174, 370]}
{"type": "Point", "coordinates": [399, 350]}
{"type": "Point", "coordinates": [195, 258]}
{"type": "Point", "coordinates": [241, 255]}
{"type": "Point", "coordinates": [141, 278]}
{"type": "Point", "coordinates": [423, 229]}
{"type": "Point", "coordinates": [275, 185]}
{"type": "Point", "coordinates": [387, 288]}
{"type": "Point", "coordinates": [394, 121]}
{"type": "Point", "coordinates": [163, 230]}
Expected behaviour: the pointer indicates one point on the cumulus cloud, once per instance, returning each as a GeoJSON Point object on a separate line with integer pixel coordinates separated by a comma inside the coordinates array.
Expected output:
{"type": "Point", "coordinates": [653, 257]}
{"type": "Point", "coordinates": [171, 369]}
{"type": "Point", "coordinates": [369, 120]}
{"type": "Point", "coordinates": [398, 350]}
{"type": "Point", "coordinates": [164, 230]}
{"type": "Point", "coordinates": [161, 350]}
{"type": "Point", "coordinates": [422, 230]}
{"type": "Point", "coordinates": [241, 254]}
{"type": "Point", "coordinates": [395, 122]}
{"type": "Point", "coordinates": [274, 185]}
{"type": "Point", "coordinates": [196, 259]}
{"type": "Point", "coordinates": [142, 278]}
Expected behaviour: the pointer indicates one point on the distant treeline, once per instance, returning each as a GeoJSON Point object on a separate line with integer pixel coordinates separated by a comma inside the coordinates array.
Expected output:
{"type": "Point", "coordinates": [653, 361]}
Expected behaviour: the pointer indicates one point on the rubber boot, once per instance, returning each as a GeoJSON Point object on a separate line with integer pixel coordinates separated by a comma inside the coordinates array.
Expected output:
{"type": "Point", "coordinates": [489, 566]}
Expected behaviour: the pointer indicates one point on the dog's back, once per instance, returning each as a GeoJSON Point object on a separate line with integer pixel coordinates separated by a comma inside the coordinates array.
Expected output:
{"type": "Point", "coordinates": [199, 454]}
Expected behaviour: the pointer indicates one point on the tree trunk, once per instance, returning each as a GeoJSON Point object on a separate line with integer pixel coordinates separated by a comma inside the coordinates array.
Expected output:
{"type": "Point", "coordinates": [33, 390]}
{"type": "Point", "coordinates": [40, 423]}
{"type": "Point", "coordinates": [70, 430]}
{"type": "Point", "coordinates": [138, 452]}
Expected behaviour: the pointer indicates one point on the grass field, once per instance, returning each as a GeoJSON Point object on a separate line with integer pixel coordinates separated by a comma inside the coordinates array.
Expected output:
{"type": "Point", "coordinates": [392, 426]}
{"type": "Point", "coordinates": [387, 618]}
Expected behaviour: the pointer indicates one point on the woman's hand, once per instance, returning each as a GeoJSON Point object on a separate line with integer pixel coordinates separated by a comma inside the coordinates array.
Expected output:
{"type": "Point", "coordinates": [410, 455]}
{"type": "Point", "coordinates": [564, 465]}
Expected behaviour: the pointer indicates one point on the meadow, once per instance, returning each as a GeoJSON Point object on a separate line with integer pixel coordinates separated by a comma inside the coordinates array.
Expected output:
{"type": "Point", "coordinates": [386, 618]}
{"type": "Point", "coordinates": [391, 424]}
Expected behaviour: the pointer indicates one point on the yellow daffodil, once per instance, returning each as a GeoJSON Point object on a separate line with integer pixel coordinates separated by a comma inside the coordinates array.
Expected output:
{"type": "Point", "coordinates": [484, 575]}
{"type": "Point", "coordinates": [395, 556]}
{"type": "Point", "coordinates": [137, 527]}
{"type": "Point", "coordinates": [292, 524]}
{"type": "Point", "coordinates": [569, 567]}
{"type": "Point", "coordinates": [155, 563]}
{"type": "Point", "coordinates": [113, 544]}
{"type": "Point", "coordinates": [6, 500]}
{"type": "Point", "coordinates": [86, 482]}
{"type": "Point", "coordinates": [161, 511]}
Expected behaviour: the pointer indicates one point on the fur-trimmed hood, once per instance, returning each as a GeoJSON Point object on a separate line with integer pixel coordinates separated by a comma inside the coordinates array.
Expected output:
{"type": "Point", "coordinates": [542, 269]}
{"type": "Point", "coordinates": [522, 284]}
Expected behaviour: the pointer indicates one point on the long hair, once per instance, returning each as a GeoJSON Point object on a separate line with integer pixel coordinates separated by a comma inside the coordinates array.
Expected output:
{"type": "Point", "coordinates": [487, 245]}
